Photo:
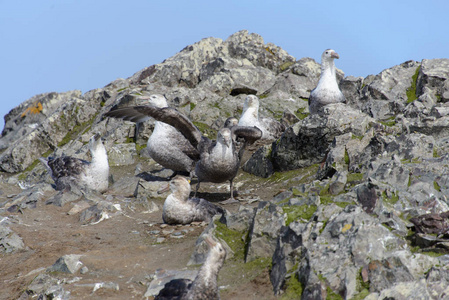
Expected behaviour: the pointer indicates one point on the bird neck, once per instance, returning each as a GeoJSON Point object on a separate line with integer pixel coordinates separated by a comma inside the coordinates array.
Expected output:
{"type": "Point", "coordinates": [160, 127]}
{"type": "Point", "coordinates": [223, 151]}
{"type": "Point", "coordinates": [327, 76]}
{"type": "Point", "coordinates": [99, 155]}
{"type": "Point", "coordinates": [251, 112]}
{"type": "Point", "coordinates": [181, 193]}
{"type": "Point", "coordinates": [207, 275]}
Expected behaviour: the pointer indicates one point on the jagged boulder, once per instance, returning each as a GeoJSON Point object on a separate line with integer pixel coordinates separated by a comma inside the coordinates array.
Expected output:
{"type": "Point", "coordinates": [308, 141]}
{"type": "Point", "coordinates": [266, 225]}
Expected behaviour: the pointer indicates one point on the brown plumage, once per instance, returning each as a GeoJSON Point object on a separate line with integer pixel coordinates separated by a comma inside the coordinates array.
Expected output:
{"type": "Point", "coordinates": [66, 170]}
{"type": "Point", "coordinates": [205, 286]}
{"type": "Point", "coordinates": [179, 208]}
{"type": "Point", "coordinates": [218, 160]}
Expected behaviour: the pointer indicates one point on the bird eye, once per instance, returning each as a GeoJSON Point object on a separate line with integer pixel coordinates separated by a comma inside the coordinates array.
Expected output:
{"type": "Point", "coordinates": [327, 52]}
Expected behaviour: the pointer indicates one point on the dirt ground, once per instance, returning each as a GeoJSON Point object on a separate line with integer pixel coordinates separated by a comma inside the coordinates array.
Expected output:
{"type": "Point", "coordinates": [123, 250]}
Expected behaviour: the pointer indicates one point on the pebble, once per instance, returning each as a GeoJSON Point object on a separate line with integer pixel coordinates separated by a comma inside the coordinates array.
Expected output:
{"type": "Point", "coordinates": [84, 270]}
{"type": "Point", "coordinates": [160, 240]}
{"type": "Point", "coordinates": [167, 231]}
{"type": "Point", "coordinates": [177, 236]}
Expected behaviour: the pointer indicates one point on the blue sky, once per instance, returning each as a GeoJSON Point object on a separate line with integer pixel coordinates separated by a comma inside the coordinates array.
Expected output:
{"type": "Point", "coordinates": [62, 45]}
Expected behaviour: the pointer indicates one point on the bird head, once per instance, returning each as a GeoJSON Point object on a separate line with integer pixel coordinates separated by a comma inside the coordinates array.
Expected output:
{"type": "Point", "coordinates": [180, 184]}
{"type": "Point", "coordinates": [329, 54]}
{"type": "Point", "coordinates": [231, 122]}
{"type": "Point", "coordinates": [251, 101]}
{"type": "Point", "coordinates": [216, 248]}
{"type": "Point", "coordinates": [156, 100]}
{"type": "Point", "coordinates": [95, 141]}
{"type": "Point", "coordinates": [224, 136]}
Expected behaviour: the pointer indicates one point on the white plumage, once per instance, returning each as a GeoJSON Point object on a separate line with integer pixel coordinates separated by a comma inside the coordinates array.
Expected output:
{"type": "Point", "coordinates": [271, 129]}
{"type": "Point", "coordinates": [93, 175]}
{"type": "Point", "coordinates": [327, 90]}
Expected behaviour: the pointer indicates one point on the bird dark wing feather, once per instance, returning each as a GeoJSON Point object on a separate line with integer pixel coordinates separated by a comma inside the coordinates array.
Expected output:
{"type": "Point", "coordinates": [250, 134]}
{"type": "Point", "coordinates": [211, 208]}
{"type": "Point", "coordinates": [167, 115]}
{"type": "Point", "coordinates": [128, 114]}
{"type": "Point", "coordinates": [312, 96]}
{"type": "Point", "coordinates": [66, 166]}
{"type": "Point", "coordinates": [174, 289]}
{"type": "Point", "coordinates": [275, 127]}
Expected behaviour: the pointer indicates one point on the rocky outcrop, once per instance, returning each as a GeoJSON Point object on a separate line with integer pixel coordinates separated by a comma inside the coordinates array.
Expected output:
{"type": "Point", "coordinates": [370, 222]}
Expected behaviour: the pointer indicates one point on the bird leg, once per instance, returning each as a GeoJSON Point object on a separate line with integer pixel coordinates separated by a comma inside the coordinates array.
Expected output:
{"type": "Point", "coordinates": [231, 199]}
{"type": "Point", "coordinates": [197, 187]}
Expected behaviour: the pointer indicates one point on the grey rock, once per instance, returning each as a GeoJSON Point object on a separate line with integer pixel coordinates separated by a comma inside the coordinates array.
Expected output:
{"type": "Point", "coordinates": [73, 110]}
{"type": "Point", "coordinates": [351, 87]}
{"type": "Point", "coordinates": [106, 285]}
{"type": "Point", "coordinates": [337, 185]}
{"type": "Point", "coordinates": [146, 190]}
{"type": "Point", "coordinates": [336, 251]}
{"type": "Point", "coordinates": [391, 171]}
{"type": "Point", "coordinates": [260, 162]}
{"type": "Point", "coordinates": [28, 115]}
{"type": "Point", "coordinates": [264, 230]}
{"type": "Point", "coordinates": [62, 198]}
{"type": "Point", "coordinates": [244, 45]}
{"type": "Point", "coordinates": [287, 254]}
{"type": "Point", "coordinates": [241, 220]}
{"type": "Point", "coordinates": [307, 142]}
{"type": "Point", "coordinates": [99, 212]}
{"type": "Point", "coordinates": [434, 74]}
{"type": "Point", "coordinates": [437, 279]}
{"type": "Point", "coordinates": [67, 264]}
{"type": "Point", "coordinates": [124, 186]}
{"type": "Point", "coordinates": [29, 197]}
{"type": "Point", "coordinates": [392, 83]}
{"type": "Point", "coordinates": [46, 287]}
{"type": "Point", "coordinates": [386, 273]}
{"type": "Point", "coordinates": [9, 240]}
{"type": "Point", "coordinates": [298, 80]}
{"type": "Point", "coordinates": [432, 126]}
{"type": "Point", "coordinates": [404, 290]}
{"type": "Point", "coordinates": [122, 154]}
{"type": "Point", "coordinates": [412, 146]}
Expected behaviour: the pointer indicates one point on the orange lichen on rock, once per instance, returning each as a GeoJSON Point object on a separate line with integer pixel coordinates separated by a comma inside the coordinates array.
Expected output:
{"type": "Point", "coordinates": [34, 109]}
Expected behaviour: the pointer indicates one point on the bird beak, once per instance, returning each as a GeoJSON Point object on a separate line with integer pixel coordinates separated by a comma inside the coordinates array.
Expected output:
{"type": "Point", "coordinates": [164, 189]}
{"type": "Point", "coordinates": [228, 142]}
{"type": "Point", "coordinates": [210, 241]}
{"type": "Point", "coordinates": [335, 55]}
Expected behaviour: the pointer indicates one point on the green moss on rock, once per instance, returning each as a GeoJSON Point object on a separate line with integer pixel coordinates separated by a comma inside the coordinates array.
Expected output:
{"type": "Point", "coordinates": [295, 213]}
{"type": "Point", "coordinates": [294, 288]}
{"type": "Point", "coordinates": [206, 130]}
{"type": "Point", "coordinates": [411, 91]}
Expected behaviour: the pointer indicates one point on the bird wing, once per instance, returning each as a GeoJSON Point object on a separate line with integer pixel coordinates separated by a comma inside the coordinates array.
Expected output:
{"type": "Point", "coordinates": [249, 133]}
{"type": "Point", "coordinates": [167, 115]}
{"type": "Point", "coordinates": [66, 166]}
{"type": "Point", "coordinates": [174, 289]}
{"type": "Point", "coordinates": [209, 207]}
{"type": "Point", "coordinates": [274, 127]}
{"type": "Point", "coordinates": [129, 114]}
